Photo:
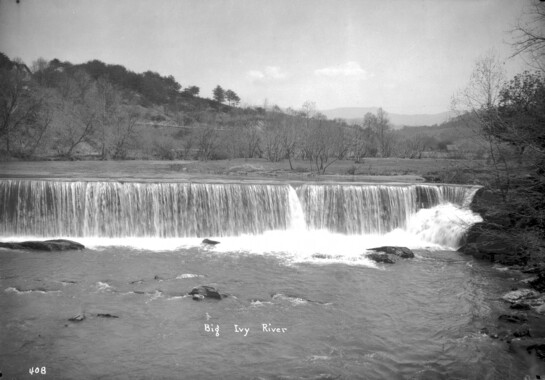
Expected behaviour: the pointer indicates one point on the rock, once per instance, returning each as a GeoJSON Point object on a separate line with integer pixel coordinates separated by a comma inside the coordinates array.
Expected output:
{"type": "Point", "coordinates": [519, 295]}
{"type": "Point", "coordinates": [520, 306]}
{"type": "Point", "coordinates": [485, 331]}
{"type": "Point", "coordinates": [530, 345]}
{"type": "Point", "coordinates": [513, 318]}
{"type": "Point", "coordinates": [206, 291]}
{"type": "Point", "coordinates": [469, 249]}
{"type": "Point", "coordinates": [491, 241]}
{"type": "Point", "coordinates": [106, 315]}
{"type": "Point", "coordinates": [533, 269]}
{"type": "Point", "coordinates": [210, 242]}
{"type": "Point", "coordinates": [539, 283]}
{"type": "Point", "coordinates": [403, 252]}
{"type": "Point", "coordinates": [380, 258]}
{"type": "Point", "coordinates": [540, 309]}
{"type": "Point", "coordinates": [198, 297]}
{"type": "Point", "coordinates": [521, 332]}
{"type": "Point", "coordinates": [77, 318]}
{"type": "Point", "coordinates": [46, 245]}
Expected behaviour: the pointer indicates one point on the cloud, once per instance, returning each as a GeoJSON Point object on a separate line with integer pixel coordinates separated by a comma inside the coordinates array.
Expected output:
{"type": "Point", "coordinates": [348, 69]}
{"type": "Point", "coordinates": [269, 73]}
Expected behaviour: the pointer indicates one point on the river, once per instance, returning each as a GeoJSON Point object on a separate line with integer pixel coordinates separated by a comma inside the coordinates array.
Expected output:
{"type": "Point", "coordinates": [303, 299]}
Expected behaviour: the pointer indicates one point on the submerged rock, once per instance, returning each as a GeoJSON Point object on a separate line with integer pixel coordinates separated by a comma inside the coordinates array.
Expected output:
{"type": "Point", "coordinates": [106, 315]}
{"type": "Point", "coordinates": [403, 252]}
{"type": "Point", "coordinates": [381, 258]}
{"type": "Point", "coordinates": [321, 256]}
{"type": "Point", "coordinates": [46, 245]}
{"type": "Point", "coordinates": [205, 291]}
{"type": "Point", "coordinates": [522, 332]}
{"type": "Point", "coordinates": [539, 282]}
{"type": "Point", "coordinates": [513, 318]}
{"type": "Point", "coordinates": [520, 306]}
{"type": "Point", "coordinates": [210, 242]}
{"type": "Point", "coordinates": [530, 346]}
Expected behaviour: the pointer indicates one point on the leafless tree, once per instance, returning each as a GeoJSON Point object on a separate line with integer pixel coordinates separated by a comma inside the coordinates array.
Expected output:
{"type": "Point", "coordinates": [22, 107]}
{"type": "Point", "coordinates": [530, 35]}
{"type": "Point", "coordinates": [206, 139]}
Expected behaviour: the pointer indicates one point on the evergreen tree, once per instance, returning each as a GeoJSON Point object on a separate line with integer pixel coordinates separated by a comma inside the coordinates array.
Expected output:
{"type": "Point", "coordinates": [219, 94]}
{"type": "Point", "coordinates": [232, 97]}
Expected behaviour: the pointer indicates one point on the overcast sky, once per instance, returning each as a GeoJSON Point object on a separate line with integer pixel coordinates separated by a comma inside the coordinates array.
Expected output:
{"type": "Point", "coordinates": [407, 56]}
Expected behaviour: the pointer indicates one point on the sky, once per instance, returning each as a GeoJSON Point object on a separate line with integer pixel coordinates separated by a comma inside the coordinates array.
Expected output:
{"type": "Point", "coordinates": [406, 56]}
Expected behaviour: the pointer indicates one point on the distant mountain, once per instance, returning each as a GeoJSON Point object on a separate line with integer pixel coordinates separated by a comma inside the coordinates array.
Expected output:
{"type": "Point", "coordinates": [355, 115]}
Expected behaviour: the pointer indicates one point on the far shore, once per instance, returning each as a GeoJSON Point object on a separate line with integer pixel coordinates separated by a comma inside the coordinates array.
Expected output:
{"type": "Point", "coordinates": [372, 170]}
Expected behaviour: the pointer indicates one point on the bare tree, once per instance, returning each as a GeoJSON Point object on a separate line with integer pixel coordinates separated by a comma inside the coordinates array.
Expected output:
{"type": "Point", "coordinates": [530, 35]}
{"type": "Point", "coordinates": [21, 108]}
{"type": "Point", "coordinates": [123, 133]}
{"type": "Point", "coordinates": [478, 102]}
{"type": "Point", "coordinates": [272, 139]}
{"type": "Point", "coordinates": [206, 139]}
{"type": "Point", "coordinates": [324, 142]}
{"type": "Point", "coordinates": [80, 110]}
{"type": "Point", "coordinates": [381, 127]}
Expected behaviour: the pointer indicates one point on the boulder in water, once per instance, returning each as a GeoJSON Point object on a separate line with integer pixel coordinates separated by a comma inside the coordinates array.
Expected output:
{"type": "Point", "coordinates": [381, 258]}
{"type": "Point", "coordinates": [77, 318]}
{"type": "Point", "coordinates": [403, 252]}
{"type": "Point", "coordinates": [210, 242]}
{"type": "Point", "coordinates": [492, 242]}
{"type": "Point", "coordinates": [205, 291]}
{"type": "Point", "coordinates": [46, 245]}
{"type": "Point", "coordinates": [520, 295]}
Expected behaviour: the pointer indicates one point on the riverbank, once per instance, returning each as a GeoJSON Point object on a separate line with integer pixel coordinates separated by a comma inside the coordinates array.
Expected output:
{"type": "Point", "coordinates": [371, 170]}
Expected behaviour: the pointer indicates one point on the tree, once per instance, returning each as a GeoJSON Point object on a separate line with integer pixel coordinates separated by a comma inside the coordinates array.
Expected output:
{"type": "Point", "coordinates": [124, 133]}
{"type": "Point", "coordinates": [219, 94]}
{"type": "Point", "coordinates": [206, 138]}
{"type": "Point", "coordinates": [478, 102]}
{"type": "Point", "coordinates": [80, 109]}
{"type": "Point", "coordinates": [272, 138]}
{"type": "Point", "coordinates": [381, 128]}
{"type": "Point", "coordinates": [232, 97]}
{"type": "Point", "coordinates": [520, 115]}
{"type": "Point", "coordinates": [530, 35]}
{"type": "Point", "coordinates": [324, 143]}
{"type": "Point", "coordinates": [21, 108]}
{"type": "Point", "coordinates": [191, 91]}
{"type": "Point", "coordinates": [290, 139]}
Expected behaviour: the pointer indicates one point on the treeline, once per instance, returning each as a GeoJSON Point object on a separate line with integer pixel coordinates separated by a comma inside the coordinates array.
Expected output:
{"type": "Point", "coordinates": [95, 110]}
{"type": "Point", "coordinates": [64, 110]}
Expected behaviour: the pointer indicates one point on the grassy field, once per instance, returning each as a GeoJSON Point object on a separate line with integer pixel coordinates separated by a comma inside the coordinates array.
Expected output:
{"type": "Point", "coordinates": [371, 170]}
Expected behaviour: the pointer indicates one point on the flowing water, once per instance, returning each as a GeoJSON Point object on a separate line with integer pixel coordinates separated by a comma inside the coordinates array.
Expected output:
{"type": "Point", "coordinates": [304, 300]}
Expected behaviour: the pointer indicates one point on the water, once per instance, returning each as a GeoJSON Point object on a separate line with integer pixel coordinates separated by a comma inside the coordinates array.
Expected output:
{"type": "Point", "coordinates": [285, 265]}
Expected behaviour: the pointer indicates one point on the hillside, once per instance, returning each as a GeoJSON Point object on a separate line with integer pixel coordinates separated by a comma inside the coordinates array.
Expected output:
{"type": "Point", "coordinates": [94, 110]}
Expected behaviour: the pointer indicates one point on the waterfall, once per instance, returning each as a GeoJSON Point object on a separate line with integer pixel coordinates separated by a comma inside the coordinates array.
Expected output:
{"type": "Point", "coordinates": [172, 210]}
{"type": "Point", "coordinates": [374, 209]}
{"type": "Point", "coordinates": [112, 209]}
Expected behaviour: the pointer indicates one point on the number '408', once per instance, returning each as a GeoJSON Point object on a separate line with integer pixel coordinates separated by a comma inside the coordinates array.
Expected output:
{"type": "Point", "coordinates": [37, 370]}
